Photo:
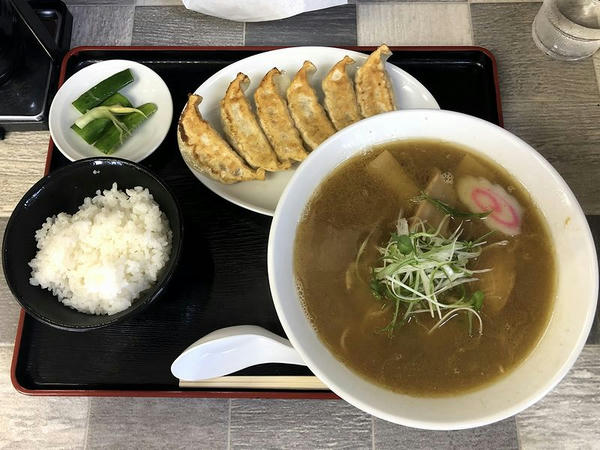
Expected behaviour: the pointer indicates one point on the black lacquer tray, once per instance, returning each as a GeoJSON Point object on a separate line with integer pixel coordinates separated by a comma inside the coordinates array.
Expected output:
{"type": "Point", "coordinates": [222, 277]}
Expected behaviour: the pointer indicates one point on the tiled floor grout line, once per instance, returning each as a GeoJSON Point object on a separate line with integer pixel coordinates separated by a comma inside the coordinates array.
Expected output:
{"type": "Point", "coordinates": [373, 432]}
{"type": "Point", "coordinates": [500, 2]}
{"type": "Point", "coordinates": [355, 20]}
{"type": "Point", "coordinates": [87, 424]}
{"type": "Point", "coordinates": [596, 69]}
{"type": "Point", "coordinates": [357, 13]}
{"type": "Point", "coordinates": [229, 422]}
{"type": "Point", "coordinates": [471, 23]}
{"type": "Point", "coordinates": [132, 24]}
{"type": "Point", "coordinates": [519, 445]}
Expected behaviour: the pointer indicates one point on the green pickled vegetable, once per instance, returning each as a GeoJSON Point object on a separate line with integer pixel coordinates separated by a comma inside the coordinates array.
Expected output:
{"type": "Point", "coordinates": [103, 90]}
{"type": "Point", "coordinates": [93, 130]}
{"type": "Point", "coordinates": [117, 99]}
{"type": "Point", "coordinates": [113, 137]}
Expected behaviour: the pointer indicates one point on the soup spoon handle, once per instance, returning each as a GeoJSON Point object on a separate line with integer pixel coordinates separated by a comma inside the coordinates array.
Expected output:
{"type": "Point", "coordinates": [228, 350]}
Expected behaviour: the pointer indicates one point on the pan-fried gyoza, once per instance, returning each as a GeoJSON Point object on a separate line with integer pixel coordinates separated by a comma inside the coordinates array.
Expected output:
{"type": "Point", "coordinates": [206, 151]}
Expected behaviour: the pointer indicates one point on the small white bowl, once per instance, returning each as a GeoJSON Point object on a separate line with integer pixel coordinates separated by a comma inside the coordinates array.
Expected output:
{"type": "Point", "coordinates": [147, 87]}
{"type": "Point", "coordinates": [577, 276]}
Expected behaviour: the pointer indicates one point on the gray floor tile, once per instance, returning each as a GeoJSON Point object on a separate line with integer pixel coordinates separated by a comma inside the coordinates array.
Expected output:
{"type": "Point", "coordinates": [38, 422]}
{"type": "Point", "coordinates": [542, 96]}
{"type": "Point", "coordinates": [175, 25]}
{"type": "Point", "coordinates": [594, 337]}
{"type": "Point", "coordinates": [525, 72]}
{"type": "Point", "coordinates": [100, 2]}
{"type": "Point", "coordinates": [331, 26]}
{"type": "Point", "coordinates": [147, 423]}
{"type": "Point", "coordinates": [569, 416]}
{"type": "Point", "coordinates": [407, 1]}
{"type": "Point", "coordinates": [572, 150]}
{"type": "Point", "coordinates": [22, 159]}
{"type": "Point", "coordinates": [9, 309]}
{"type": "Point", "coordinates": [596, 61]}
{"type": "Point", "coordinates": [298, 424]}
{"type": "Point", "coordinates": [101, 25]}
{"type": "Point", "coordinates": [500, 435]}
{"type": "Point", "coordinates": [414, 24]}
{"type": "Point", "coordinates": [158, 2]}
{"type": "Point", "coordinates": [505, 1]}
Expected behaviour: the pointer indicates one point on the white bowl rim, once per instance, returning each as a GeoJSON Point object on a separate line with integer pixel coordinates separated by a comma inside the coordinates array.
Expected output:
{"type": "Point", "coordinates": [534, 397]}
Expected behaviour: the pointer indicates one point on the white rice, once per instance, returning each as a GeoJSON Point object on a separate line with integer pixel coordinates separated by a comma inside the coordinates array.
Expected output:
{"type": "Point", "coordinates": [100, 259]}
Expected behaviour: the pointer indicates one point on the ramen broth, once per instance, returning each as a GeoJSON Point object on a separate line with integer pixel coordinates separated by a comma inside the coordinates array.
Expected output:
{"type": "Point", "coordinates": [357, 203]}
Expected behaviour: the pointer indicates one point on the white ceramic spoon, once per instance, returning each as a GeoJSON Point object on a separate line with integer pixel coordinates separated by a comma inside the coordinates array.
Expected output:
{"type": "Point", "coordinates": [231, 349]}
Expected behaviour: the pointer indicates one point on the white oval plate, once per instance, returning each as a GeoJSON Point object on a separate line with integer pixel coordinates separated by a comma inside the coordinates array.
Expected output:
{"type": "Point", "coordinates": [262, 196]}
{"type": "Point", "coordinates": [147, 87]}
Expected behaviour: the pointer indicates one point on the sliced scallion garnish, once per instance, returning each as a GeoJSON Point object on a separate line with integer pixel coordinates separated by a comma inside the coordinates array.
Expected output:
{"type": "Point", "coordinates": [418, 266]}
{"type": "Point", "coordinates": [109, 112]}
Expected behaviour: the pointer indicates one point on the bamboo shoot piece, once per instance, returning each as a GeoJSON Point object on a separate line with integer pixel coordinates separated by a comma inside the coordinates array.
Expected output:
{"type": "Point", "coordinates": [470, 166]}
{"type": "Point", "coordinates": [388, 170]}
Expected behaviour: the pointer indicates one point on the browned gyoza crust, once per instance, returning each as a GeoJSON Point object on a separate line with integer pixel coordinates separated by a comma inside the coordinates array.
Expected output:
{"type": "Point", "coordinates": [207, 152]}
{"type": "Point", "coordinates": [276, 121]}
{"type": "Point", "coordinates": [242, 128]}
{"type": "Point", "coordinates": [340, 97]}
{"type": "Point", "coordinates": [373, 87]}
{"type": "Point", "coordinates": [308, 114]}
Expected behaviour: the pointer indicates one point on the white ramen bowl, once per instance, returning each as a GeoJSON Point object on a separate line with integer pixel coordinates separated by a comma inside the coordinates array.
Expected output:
{"type": "Point", "coordinates": [577, 273]}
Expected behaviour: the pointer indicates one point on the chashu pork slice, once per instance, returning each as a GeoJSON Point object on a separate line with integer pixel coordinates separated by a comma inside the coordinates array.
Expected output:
{"type": "Point", "coordinates": [340, 97]}
{"type": "Point", "coordinates": [243, 131]}
{"type": "Point", "coordinates": [373, 87]}
{"type": "Point", "coordinates": [308, 114]}
{"type": "Point", "coordinates": [207, 152]}
{"type": "Point", "coordinates": [276, 121]}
